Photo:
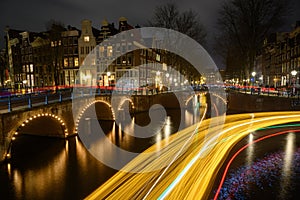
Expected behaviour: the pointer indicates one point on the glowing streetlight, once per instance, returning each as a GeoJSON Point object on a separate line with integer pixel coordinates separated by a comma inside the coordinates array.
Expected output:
{"type": "Point", "coordinates": [294, 73]}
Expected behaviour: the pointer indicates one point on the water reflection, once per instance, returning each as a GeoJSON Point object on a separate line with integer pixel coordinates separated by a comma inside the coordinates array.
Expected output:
{"type": "Point", "coordinates": [250, 150]}
{"type": "Point", "coordinates": [45, 168]}
{"type": "Point", "coordinates": [287, 170]}
{"type": "Point", "coordinates": [265, 170]}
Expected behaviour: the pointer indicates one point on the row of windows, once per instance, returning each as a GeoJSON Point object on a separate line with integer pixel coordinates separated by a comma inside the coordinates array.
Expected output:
{"type": "Point", "coordinates": [28, 68]}
{"type": "Point", "coordinates": [70, 50]}
{"type": "Point", "coordinates": [68, 41]}
{"type": "Point", "coordinates": [55, 43]}
{"type": "Point", "coordinates": [124, 60]}
{"type": "Point", "coordinates": [27, 58]}
{"type": "Point", "coordinates": [26, 50]}
{"type": "Point", "coordinates": [41, 59]}
{"type": "Point", "coordinates": [86, 50]}
{"type": "Point", "coordinates": [127, 73]}
{"type": "Point", "coordinates": [71, 62]}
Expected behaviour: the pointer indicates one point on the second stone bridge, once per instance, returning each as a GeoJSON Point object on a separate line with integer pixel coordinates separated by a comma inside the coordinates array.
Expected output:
{"type": "Point", "coordinates": [62, 119]}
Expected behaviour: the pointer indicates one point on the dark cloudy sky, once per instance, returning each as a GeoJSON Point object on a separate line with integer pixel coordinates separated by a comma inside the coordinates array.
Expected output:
{"type": "Point", "coordinates": [32, 15]}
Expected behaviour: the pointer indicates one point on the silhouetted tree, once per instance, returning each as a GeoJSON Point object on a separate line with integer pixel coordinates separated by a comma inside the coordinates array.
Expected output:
{"type": "Point", "coordinates": [244, 24]}
{"type": "Point", "coordinates": [186, 22]}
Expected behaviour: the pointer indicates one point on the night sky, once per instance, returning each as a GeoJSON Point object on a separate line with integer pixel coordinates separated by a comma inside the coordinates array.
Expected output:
{"type": "Point", "coordinates": [32, 15]}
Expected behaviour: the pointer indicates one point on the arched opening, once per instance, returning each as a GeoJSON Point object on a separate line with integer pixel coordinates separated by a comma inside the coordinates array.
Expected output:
{"type": "Point", "coordinates": [96, 110]}
{"type": "Point", "coordinates": [44, 125]}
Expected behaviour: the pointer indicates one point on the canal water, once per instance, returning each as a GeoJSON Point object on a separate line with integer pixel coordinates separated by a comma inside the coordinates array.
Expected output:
{"type": "Point", "coordinates": [266, 169]}
{"type": "Point", "coordinates": [51, 168]}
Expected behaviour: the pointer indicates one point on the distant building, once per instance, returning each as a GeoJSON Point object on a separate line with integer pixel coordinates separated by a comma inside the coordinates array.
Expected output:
{"type": "Point", "coordinates": [53, 58]}
{"type": "Point", "coordinates": [13, 47]}
{"type": "Point", "coordinates": [279, 57]}
{"type": "Point", "coordinates": [70, 56]}
{"type": "Point", "coordinates": [86, 45]}
{"type": "Point", "coordinates": [42, 62]}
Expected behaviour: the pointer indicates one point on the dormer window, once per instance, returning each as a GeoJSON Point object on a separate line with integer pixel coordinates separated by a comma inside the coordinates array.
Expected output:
{"type": "Point", "coordinates": [86, 38]}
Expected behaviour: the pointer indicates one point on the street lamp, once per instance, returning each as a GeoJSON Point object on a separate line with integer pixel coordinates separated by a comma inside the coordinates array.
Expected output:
{"type": "Point", "coordinates": [108, 77]}
{"type": "Point", "coordinates": [294, 73]}
{"type": "Point", "coordinates": [253, 81]}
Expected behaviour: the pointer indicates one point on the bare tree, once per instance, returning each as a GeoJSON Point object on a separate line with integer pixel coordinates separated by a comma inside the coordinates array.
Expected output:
{"type": "Point", "coordinates": [186, 22]}
{"type": "Point", "coordinates": [244, 24]}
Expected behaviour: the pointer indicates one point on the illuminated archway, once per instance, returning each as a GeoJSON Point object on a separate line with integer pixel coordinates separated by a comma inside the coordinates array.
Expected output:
{"type": "Point", "coordinates": [87, 107]}
{"type": "Point", "coordinates": [26, 123]}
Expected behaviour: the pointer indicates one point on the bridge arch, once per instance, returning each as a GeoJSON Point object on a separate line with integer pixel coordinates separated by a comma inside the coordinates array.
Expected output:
{"type": "Point", "coordinates": [58, 130]}
{"type": "Point", "coordinates": [87, 107]}
{"type": "Point", "coordinates": [123, 102]}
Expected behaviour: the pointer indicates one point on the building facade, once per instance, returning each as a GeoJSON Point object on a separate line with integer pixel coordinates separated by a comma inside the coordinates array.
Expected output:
{"type": "Point", "coordinates": [53, 58]}
{"type": "Point", "coordinates": [280, 56]}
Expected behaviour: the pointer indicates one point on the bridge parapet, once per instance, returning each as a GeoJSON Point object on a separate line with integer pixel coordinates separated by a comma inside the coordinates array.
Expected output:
{"type": "Point", "coordinates": [68, 114]}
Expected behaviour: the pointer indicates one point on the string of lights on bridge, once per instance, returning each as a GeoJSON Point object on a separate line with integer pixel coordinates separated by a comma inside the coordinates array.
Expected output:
{"type": "Point", "coordinates": [27, 121]}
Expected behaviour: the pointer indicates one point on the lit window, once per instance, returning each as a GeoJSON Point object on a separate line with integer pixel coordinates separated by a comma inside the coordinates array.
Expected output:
{"type": "Point", "coordinates": [86, 38]}
{"type": "Point", "coordinates": [66, 62]}
{"type": "Point", "coordinates": [76, 63]}
{"type": "Point", "coordinates": [31, 67]}
{"type": "Point", "coordinates": [101, 51]}
{"type": "Point", "coordinates": [109, 51]}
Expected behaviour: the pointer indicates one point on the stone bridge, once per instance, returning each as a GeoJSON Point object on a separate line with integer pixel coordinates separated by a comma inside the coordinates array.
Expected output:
{"type": "Point", "coordinates": [62, 119]}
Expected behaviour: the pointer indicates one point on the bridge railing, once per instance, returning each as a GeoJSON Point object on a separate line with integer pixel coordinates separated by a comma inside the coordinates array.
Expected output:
{"type": "Point", "coordinates": [9, 103]}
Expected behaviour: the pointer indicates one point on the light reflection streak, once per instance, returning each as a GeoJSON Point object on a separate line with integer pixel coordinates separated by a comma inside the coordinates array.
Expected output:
{"type": "Point", "coordinates": [9, 169]}
{"type": "Point", "coordinates": [250, 150]}
{"type": "Point", "coordinates": [167, 129]}
{"type": "Point", "coordinates": [287, 165]}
